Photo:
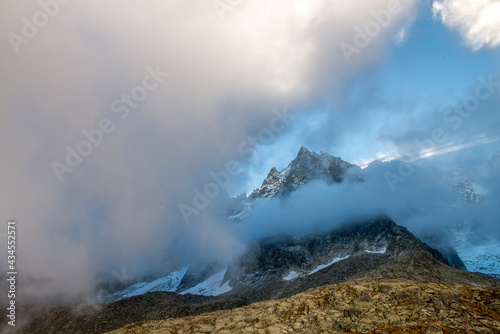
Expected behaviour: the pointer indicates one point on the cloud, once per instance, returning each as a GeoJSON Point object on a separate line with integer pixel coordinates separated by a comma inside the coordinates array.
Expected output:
{"type": "Point", "coordinates": [119, 207]}
{"type": "Point", "coordinates": [401, 37]}
{"type": "Point", "coordinates": [425, 201]}
{"type": "Point", "coordinates": [476, 20]}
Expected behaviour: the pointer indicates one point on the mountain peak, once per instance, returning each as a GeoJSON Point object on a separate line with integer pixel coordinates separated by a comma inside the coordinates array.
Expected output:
{"type": "Point", "coordinates": [303, 151]}
{"type": "Point", "coordinates": [305, 167]}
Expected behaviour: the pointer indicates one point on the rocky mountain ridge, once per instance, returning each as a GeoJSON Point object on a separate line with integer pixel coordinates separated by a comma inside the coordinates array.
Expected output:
{"type": "Point", "coordinates": [287, 257]}
{"type": "Point", "coordinates": [305, 167]}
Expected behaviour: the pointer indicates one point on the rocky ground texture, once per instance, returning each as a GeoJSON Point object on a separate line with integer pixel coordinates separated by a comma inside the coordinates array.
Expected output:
{"type": "Point", "coordinates": [368, 306]}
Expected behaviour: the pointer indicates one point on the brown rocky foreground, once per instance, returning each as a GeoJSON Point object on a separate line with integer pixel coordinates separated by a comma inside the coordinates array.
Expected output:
{"type": "Point", "coordinates": [367, 306]}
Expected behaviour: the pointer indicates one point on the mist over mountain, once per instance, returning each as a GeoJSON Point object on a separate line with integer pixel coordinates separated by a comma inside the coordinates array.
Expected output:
{"type": "Point", "coordinates": [150, 146]}
{"type": "Point", "coordinates": [318, 192]}
{"type": "Point", "coordinates": [319, 221]}
{"type": "Point", "coordinates": [429, 200]}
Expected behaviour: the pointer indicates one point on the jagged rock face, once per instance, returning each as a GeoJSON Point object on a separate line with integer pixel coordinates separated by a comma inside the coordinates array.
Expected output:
{"type": "Point", "coordinates": [357, 246]}
{"type": "Point", "coordinates": [350, 248]}
{"type": "Point", "coordinates": [305, 167]}
{"type": "Point", "coordinates": [279, 255]}
{"type": "Point", "coordinates": [440, 243]}
{"type": "Point", "coordinates": [275, 258]}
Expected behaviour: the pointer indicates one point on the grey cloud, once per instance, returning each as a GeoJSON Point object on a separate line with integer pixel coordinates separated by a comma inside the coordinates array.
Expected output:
{"type": "Point", "coordinates": [119, 207]}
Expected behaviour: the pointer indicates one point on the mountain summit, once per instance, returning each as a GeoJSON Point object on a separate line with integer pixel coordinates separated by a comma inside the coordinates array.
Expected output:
{"type": "Point", "coordinates": [306, 166]}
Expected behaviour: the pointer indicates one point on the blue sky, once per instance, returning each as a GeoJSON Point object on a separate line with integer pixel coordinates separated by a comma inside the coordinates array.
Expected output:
{"type": "Point", "coordinates": [434, 63]}
{"type": "Point", "coordinates": [432, 70]}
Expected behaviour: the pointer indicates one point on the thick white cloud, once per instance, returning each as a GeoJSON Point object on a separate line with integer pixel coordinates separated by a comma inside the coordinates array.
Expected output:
{"type": "Point", "coordinates": [478, 21]}
{"type": "Point", "coordinates": [119, 207]}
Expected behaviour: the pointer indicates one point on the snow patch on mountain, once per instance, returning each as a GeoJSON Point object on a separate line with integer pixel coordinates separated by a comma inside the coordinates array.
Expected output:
{"type": "Point", "coordinates": [484, 259]}
{"type": "Point", "coordinates": [375, 250]}
{"type": "Point", "coordinates": [212, 286]}
{"type": "Point", "coordinates": [168, 283]}
{"type": "Point", "coordinates": [323, 266]}
{"type": "Point", "coordinates": [291, 275]}
{"type": "Point", "coordinates": [273, 183]}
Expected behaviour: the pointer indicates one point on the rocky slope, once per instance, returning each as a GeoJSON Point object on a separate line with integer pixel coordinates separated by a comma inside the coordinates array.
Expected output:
{"type": "Point", "coordinates": [379, 240]}
{"type": "Point", "coordinates": [372, 306]}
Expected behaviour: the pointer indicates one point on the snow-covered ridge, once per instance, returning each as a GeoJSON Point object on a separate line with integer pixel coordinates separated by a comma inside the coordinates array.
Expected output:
{"type": "Point", "coordinates": [273, 183]}
{"type": "Point", "coordinates": [168, 283]}
{"type": "Point", "coordinates": [304, 168]}
{"type": "Point", "coordinates": [484, 259]}
{"type": "Point", "coordinates": [212, 286]}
